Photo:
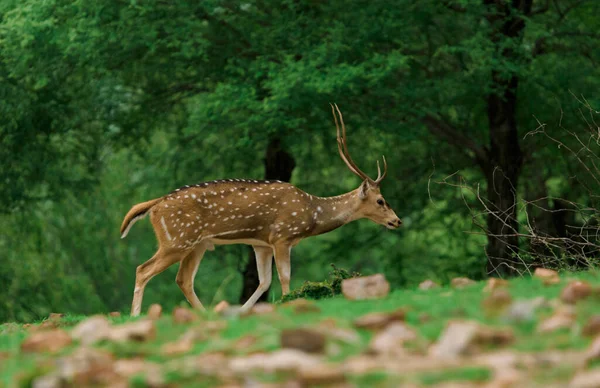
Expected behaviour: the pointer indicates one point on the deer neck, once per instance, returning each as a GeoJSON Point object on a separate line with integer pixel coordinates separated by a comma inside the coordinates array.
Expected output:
{"type": "Point", "coordinates": [332, 212]}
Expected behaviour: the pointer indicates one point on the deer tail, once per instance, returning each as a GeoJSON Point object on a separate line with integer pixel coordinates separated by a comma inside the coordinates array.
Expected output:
{"type": "Point", "coordinates": [136, 213]}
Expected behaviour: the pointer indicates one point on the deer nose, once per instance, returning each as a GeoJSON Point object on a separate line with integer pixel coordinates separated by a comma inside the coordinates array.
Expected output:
{"type": "Point", "coordinates": [395, 223]}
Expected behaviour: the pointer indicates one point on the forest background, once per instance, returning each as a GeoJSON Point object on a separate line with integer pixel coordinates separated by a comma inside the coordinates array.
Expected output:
{"type": "Point", "coordinates": [484, 110]}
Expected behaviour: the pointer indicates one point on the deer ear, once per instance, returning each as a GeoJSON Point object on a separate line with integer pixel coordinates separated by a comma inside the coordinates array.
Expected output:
{"type": "Point", "coordinates": [363, 189]}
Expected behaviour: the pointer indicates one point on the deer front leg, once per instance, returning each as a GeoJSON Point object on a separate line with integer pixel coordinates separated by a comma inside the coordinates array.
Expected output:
{"type": "Point", "coordinates": [264, 262]}
{"type": "Point", "coordinates": [282, 262]}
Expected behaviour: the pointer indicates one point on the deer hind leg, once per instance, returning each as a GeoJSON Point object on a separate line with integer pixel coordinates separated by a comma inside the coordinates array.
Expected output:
{"type": "Point", "coordinates": [264, 264]}
{"type": "Point", "coordinates": [284, 269]}
{"type": "Point", "coordinates": [187, 271]}
{"type": "Point", "coordinates": [161, 260]}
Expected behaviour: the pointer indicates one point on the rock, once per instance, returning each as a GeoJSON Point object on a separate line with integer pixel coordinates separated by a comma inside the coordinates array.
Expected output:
{"type": "Point", "coordinates": [464, 337]}
{"type": "Point", "coordinates": [593, 352]}
{"type": "Point", "coordinates": [234, 311]}
{"type": "Point", "coordinates": [140, 331]}
{"type": "Point", "coordinates": [322, 374]}
{"type": "Point", "coordinates": [91, 330]}
{"type": "Point", "coordinates": [548, 276]}
{"type": "Point", "coordinates": [461, 282]}
{"type": "Point", "coordinates": [561, 319]}
{"type": "Point", "coordinates": [202, 365]}
{"type": "Point", "coordinates": [284, 360]}
{"type": "Point", "coordinates": [56, 316]}
{"type": "Point", "coordinates": [507, 378]}
{"type": "Point", "coordinates": [183, 345]}
{"type": "Point", "coordinates": [379, 320]}
{"type": "Point", "coordinates": [262, 308]}
{"type": "Point", "coordinates": [390, 341]}
{"type": "Point", "coordinates": [132, 367]}
{"type": "Point", "coordinates": [307, 340]}
{"type": "Point", "coordinates": [87, 366]}
{"type": "Point", "coordinates": [494, 336]}
{"type": "Point", "coordinates": [48, 381]}
{"type": "Point", "coordinates": [245, 342]}
{"type": "Point", "coordinates": [329, 328]}
{"type": "Point", "coordinates": [194, 334]}
{"type": "Point", "coordinates": [575, 291]}
{"type": "Point", "coordinates": [497, 301]}
{"type": "Point", "coordinates": [303, 306]}
{"type": "Point", "coordinates": [592, 327]}
{"type": "Point", "coordinates": [495, 283]}
{"type": "Point", "coordinates": [524, 310]}
{"type": "Point", "coordinates": [214, 327]}
{"type": "Point", "coordinates": [183, 315]}
{"type": "Point", "coordinates": [365, 287]}
{"type": "Point", "coordinates": [428, 285]}
{"type": "Point", "coordinates": [586, 379]}
{"type": "Point", "coordinates": [221, 306]}
{"type": "Point", "coordinates": [114, 314]}
{"type": "Point", "coordinates": [46, 341]}
{"type": "Point", "coordinates": [154, 311]}
{"type": "Point", "coordinates": [46, 325]}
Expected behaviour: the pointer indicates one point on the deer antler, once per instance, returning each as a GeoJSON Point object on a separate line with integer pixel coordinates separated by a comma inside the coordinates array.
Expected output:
{"type": "Point", "coordinates": [345, 154]}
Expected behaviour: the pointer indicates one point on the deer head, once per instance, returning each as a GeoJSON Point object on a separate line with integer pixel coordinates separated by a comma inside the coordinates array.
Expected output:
{"type": "Point", "coordinates": [372, 205]}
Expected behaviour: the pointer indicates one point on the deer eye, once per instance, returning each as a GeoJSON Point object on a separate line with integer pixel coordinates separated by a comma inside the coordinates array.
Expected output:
{"type": "Point", "coordinates": [380, 202]}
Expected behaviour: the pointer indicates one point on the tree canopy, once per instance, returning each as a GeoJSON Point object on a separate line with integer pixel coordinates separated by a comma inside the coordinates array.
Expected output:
{"type": "Point", "coordinates": [105, 104]}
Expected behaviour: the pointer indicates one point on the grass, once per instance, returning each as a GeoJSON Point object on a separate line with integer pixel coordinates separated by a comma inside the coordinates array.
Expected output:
{"type": "Point", "coordinates": [439, 305]}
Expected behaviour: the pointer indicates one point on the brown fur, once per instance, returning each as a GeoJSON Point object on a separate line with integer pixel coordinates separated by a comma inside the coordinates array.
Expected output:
{"type": "Point", "coordinates": [138, 210]}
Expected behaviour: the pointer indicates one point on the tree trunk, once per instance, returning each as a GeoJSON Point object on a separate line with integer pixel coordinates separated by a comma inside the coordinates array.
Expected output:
{"type": "Point", "coordinates": [505, 159]}
{"type": "Point", "coordinates": [279, 165]}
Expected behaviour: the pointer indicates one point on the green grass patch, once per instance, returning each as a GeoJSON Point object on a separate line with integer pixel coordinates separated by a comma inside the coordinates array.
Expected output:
{"type": "Point", "coordinates": [428, 312]}
{"type": "Point", "coordinates": [478, 375]}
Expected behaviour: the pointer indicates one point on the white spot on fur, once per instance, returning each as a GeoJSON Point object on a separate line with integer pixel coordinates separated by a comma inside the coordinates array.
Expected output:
{"type": "Point", "coordinates": [164, 225]}
{"type": "Point", "coordinates": [294, 214]}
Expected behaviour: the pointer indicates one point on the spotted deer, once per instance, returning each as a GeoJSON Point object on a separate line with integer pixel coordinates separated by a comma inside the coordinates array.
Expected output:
{"type": "Point", "coordinates": [272, 216]}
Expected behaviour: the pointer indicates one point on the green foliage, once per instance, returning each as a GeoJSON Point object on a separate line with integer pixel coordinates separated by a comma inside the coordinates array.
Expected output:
{"type": "Point", "coordinates": [319, 290]}
{"type": "Point", "coordinates": [106, 104]}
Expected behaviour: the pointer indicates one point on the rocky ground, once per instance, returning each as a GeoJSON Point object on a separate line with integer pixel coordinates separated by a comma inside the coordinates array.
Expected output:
{"type": "Point", "coordinates": [542, 330]}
